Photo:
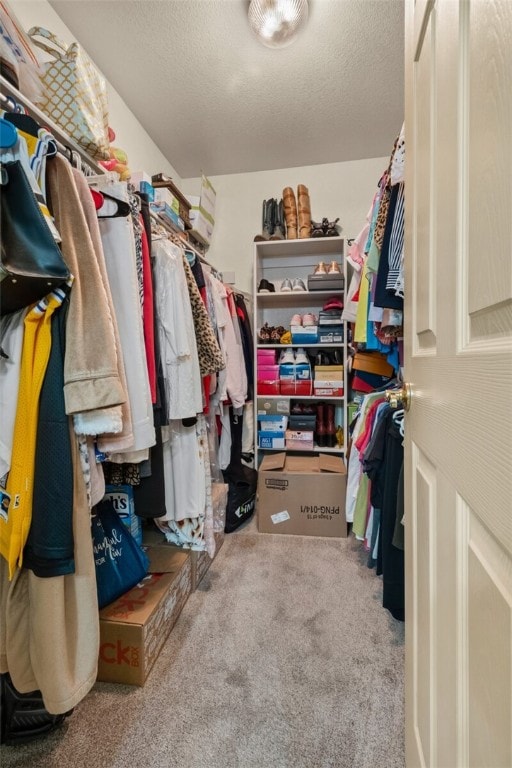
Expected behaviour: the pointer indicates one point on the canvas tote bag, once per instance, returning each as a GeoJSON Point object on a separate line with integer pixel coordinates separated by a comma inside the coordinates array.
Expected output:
{"type": "Point", "coordinates": [75, 94]}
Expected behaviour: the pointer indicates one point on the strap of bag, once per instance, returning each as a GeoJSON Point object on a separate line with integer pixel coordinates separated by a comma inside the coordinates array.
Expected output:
{"type": "Point", "coordinates": [42, 32]}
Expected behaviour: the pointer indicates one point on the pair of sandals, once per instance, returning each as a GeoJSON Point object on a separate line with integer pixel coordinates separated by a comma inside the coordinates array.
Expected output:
{"type": "Point", "coordinates": [270, 334]}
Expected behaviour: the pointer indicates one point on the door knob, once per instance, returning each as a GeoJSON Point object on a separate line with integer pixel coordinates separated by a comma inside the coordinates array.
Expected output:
{"type": "Point", "coordinates": [400, 398]}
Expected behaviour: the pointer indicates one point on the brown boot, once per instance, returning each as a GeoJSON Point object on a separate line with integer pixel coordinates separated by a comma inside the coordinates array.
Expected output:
{"type": "Point", "coordinates": [290, 213]}
{"type": "Point", "coordinates": [304, 208]}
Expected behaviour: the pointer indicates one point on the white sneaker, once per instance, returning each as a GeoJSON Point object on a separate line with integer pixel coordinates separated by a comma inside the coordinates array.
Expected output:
{"type": "Point", "coordinates": [286, 286]}
{"type": "Point", "coordinates": [301, 356]}
{"type": "Point", "coordinates": [287, 356]}
{"type": "Point", "coordinates": [298, 284]}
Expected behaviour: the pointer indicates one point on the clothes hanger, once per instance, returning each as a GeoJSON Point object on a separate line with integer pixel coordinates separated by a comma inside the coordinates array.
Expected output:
{"type": "Point", "coordinates": [98, 198]}
{"type": "Point", "coordinates": [399, 420]}
{"type": "Point", "coordinates": [8, 134]}
{"type": "Point", "coordinates": [191, 257]}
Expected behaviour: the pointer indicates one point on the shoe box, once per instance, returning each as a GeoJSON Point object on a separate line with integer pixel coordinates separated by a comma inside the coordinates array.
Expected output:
{"type": "Point", "coordinates": [330, 327]}
{"type": "Point", "coordinates": [272, 423]}
{"type": "Point", "coordinates": [300, 440]}
{"type": "Point", "coordinates": [332, 282]}
{"type": "Point", "coordinates": [265, 357]}
{"type": "Point", "coordinates": [302, 421]}
{"type": "Point", "coordinates": [304, 334]}
{"type": "Point", "coordinates": [268, 380]}
{"type": "Point", "coordinates": [134, 628]}
{"type": "Point", "coordinates": [272, 406]}
{"type": "Point", "coordinates": [302, 495]}
{"type": "Point", "coordinates": [271, 440]}
{"type": "Point", "coordinates": [328, 381]}
{"type": "Point", "coordinates": [294, 371]}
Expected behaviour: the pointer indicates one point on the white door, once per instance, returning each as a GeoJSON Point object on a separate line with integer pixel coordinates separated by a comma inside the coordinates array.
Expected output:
{"type": "Point", "coordinates": [459, 363]}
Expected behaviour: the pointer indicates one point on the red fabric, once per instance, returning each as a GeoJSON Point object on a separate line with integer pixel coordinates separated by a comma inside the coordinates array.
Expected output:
{"type": "Point", "coordinates": [148, 314]}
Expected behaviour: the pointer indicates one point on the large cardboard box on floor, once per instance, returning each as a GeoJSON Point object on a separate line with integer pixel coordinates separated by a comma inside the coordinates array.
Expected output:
{"type": "Point", "coordinates": [201, 561]}
{"type": "Point", "coordinates": [303, 495]}
{"type": "Point", "coordinates": [134, 627]}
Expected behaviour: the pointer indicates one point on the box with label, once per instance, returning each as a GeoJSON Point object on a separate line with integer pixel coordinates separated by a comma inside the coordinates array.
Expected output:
{"type": "Point", "coordinates": [304, 335]}
{"type": "Point", "coordinates": [302, 421]}
{"type": "Point", "coordinates": [330, 317]}
{"type": "Point", "coordinates": [122, 500]}
{"type": "Point", "coordinates": [297, 388]}
{"type": "Point", "coordinates": [328, 388]}
{"type": "Point", "coordinates": [329, 282]}
{"type": "Point", "coordinates": [134, 627]}
{"type": "Point", "coordinates": [142, 182]}
{"type": "Point", "coordinates": [273, 406]}
{"type": "Point", "coordinates": [329, 372]}
{"type": "Point", "coordinates": [273, 423]}
{"type": "Point", "coordinates": [202, 226]}
{"type": "Point", "coordinates": [299, 440]}
{"type": "Point", "coordinates": [303, 495]}
{"type": "Point", "coordinates": [330, 334]}
{"type": "Point", "coordinates": [294, 371]}
{"type": "Point", "coordinates": [164, 195]}
{"type": "Point", "coordinates": [205, 202]}
{"type": "Point", "coordinates": [271, 440]}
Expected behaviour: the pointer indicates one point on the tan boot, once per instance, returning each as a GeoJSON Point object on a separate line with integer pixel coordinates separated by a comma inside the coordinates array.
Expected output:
{"type": "Point", "coordinates": [304, 208]}
{"type": "Point", "coordinates": [290, 213]}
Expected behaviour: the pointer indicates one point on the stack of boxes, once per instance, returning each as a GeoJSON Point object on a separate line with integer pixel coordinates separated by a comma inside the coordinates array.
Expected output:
{"type": "Point", "coordinates": [328, 381]}
{"type": "Point", "coordinates": [202, 212]}
{"type": "Point", "coordinates": [301, 435]}
{"type": "Point", "coordinates": [267, 373]}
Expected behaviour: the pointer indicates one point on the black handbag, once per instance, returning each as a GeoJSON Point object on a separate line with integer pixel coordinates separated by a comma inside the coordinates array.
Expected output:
{"type": "Point", "coordinates": [31, 261]}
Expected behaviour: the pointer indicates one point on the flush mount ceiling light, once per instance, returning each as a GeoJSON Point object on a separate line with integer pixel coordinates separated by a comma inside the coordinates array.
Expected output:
{"type": "Point", "coordinates": [276, 23]}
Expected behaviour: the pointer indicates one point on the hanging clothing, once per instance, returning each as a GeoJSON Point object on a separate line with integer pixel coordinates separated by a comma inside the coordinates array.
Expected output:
{"type": "Point", "coordinates": [11, 343]}
{"type": "Point", "coordinates": [177, 339]}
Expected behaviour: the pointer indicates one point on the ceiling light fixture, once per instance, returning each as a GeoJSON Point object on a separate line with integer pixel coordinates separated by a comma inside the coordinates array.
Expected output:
{"type": "Point", "coordinates": [276, 23]}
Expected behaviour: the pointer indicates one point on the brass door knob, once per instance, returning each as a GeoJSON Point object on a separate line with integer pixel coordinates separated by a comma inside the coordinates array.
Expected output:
{"type": "Point", "coordinates": [400, 398]}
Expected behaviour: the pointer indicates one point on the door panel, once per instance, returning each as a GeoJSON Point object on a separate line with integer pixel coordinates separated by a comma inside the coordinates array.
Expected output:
{"type": "Point", "coordinates": [458, 458]}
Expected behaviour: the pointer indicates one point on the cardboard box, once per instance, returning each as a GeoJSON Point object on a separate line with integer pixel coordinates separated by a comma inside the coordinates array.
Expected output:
{"type": "Point", "coordinates": [164, 195]}
{"type": "Point", "coordinates": [330, 334]}
{"type": "Point", "coordinates": [302, 421]}
{"type": "Point", "coordinates": [272, 407]}
{"type": "Point", "coordinates": [205, 202]}
{"type": "Point", "coordinates": [268, 372]}
{"type": "Point", "coordinates": [273, 423]}
{"type": "Point", "coordinates": [294, 371]}
{"type": "Point", "coordinates": [299, 440]}
{"type": "Point", "coordinates": [134, 627]}
{"type": "Point", "coordinates": [271, 440]}
{"type": "Point", "coordinates": [201, 561]}
{"type": "Point", "coordinates": [164, 210]}
{"type": "Point", "coordinates": [302, 495]}
{"type": "Point", "coordinates": [304, 335]}
{"type": "Point", "coordinates": [142, 181]}
{"type": "Point", "coordinates": [202, 227]}
{"type": "Point", "coordinates": [372, 362]}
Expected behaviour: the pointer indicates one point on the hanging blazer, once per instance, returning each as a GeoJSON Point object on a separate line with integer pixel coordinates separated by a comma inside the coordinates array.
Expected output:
{"type": "Point", "coordinates": [91, 375]}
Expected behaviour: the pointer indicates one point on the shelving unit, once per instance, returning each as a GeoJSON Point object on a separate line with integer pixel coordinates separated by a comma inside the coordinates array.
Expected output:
{"type": "Point", "coordinates": [276, 261]}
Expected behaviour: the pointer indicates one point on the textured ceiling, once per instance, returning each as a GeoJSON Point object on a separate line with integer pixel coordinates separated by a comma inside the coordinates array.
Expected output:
{"type": "Point", "coordinates": [214, 99]}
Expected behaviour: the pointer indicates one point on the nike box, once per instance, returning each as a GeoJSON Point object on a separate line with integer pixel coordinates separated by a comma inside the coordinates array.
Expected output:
{"type": "Point", "coordinates": [134, 628]}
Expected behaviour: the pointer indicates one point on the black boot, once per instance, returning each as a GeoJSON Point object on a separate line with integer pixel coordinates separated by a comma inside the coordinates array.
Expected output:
{"type": "Point", "coordinates": [279, 229]}
{"type": "Point", "coordinates": [266, 224]}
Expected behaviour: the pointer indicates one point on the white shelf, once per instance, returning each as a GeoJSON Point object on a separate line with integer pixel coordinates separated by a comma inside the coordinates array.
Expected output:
{"type": "Point", "coordinates": [315, 449]}
{"type": "Point", "coordinates": [314, 246]}
{"type": "Point", "coordinates": [296, 297]}
{"type": "Point", "coordinates": [327, 398]}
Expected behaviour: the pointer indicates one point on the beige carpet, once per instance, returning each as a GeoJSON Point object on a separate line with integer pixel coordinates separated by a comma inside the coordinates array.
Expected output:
{"type": "Point", "coordinates": [284, 658]}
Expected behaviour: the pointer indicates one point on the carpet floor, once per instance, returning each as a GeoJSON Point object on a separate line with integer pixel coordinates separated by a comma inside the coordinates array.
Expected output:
{"type": "Point", "coordinates": [283, 658]}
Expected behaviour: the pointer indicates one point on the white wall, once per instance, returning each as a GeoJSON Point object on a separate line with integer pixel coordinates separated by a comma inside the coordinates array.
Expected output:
{"type": "Point", "coordinates": [143, 154]}
{"type": "Point", "coordinates": [335, 189]}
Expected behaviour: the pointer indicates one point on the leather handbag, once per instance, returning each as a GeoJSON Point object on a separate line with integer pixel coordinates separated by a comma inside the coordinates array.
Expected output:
{"type": "Point", "coordinates": [75, 94]}
{"type": "Point", "coordinates": [31, 262]}
{"type": "Point", "coordinates": [120, 562]}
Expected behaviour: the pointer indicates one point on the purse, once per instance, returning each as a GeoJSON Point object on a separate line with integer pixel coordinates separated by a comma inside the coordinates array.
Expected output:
{"type": "Point", "coordinates": [120, 562]}
{"type": "Point", "coordinates": [31, 262]}
{"type": "Point", "coordinates": [75, 94]}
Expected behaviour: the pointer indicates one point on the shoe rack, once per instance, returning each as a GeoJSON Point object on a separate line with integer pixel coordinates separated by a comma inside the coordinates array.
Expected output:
{"type": "Point", "coordinates": [276, 261]}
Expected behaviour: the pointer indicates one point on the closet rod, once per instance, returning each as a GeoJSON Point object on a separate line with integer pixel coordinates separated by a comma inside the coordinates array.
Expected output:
{"type": "Point", "coordinates": [65, 143]}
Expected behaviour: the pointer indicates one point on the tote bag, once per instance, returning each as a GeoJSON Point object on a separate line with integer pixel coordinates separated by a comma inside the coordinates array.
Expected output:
{"type": "Point", "coordinates": [75, 94]}
{"type": "Point", "coordinates": [120, 562]}
{"type": "Point", "coordinates": [31, 262]}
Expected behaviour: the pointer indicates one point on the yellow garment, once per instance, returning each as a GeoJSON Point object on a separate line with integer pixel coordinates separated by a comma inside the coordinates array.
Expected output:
{"type": "Point", "coordinates": [37, 341]}
{"type": "Point", "coordinates": [360, 329]}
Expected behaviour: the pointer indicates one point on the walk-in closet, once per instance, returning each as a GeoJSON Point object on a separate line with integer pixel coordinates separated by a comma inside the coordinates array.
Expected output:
{"type": "Point", "coordinates": [255, 383]}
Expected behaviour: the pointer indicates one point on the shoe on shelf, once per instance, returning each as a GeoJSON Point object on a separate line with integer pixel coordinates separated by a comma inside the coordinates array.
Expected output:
{"type": "Point", "coordinates": [298, 284]}
{"type": "Point", "coordinates": [320, 269]}
{"type": "Point", "coordinates": [301, 356]}
{"type": "Point", "coordinates": [266, 287]}
{"type": "Point", "coordinates": [264, 334]}
{"type": "Point", "coordinates": [287, 356]}
{"type": "Point", "coordinates": [334, 268]}
{"type": "Point", "coordinates": [297, 409]}
{"type": "Point", "coordinates": [296, 320]}
{"type": "Point", "coordinates": [286, 286]}
{"type": "Point", "coordinates": [309, 319]}
{"type": "Point", "coordinates": [286, 338]}
{"type": "Point", "coordinates": [276, 333]}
